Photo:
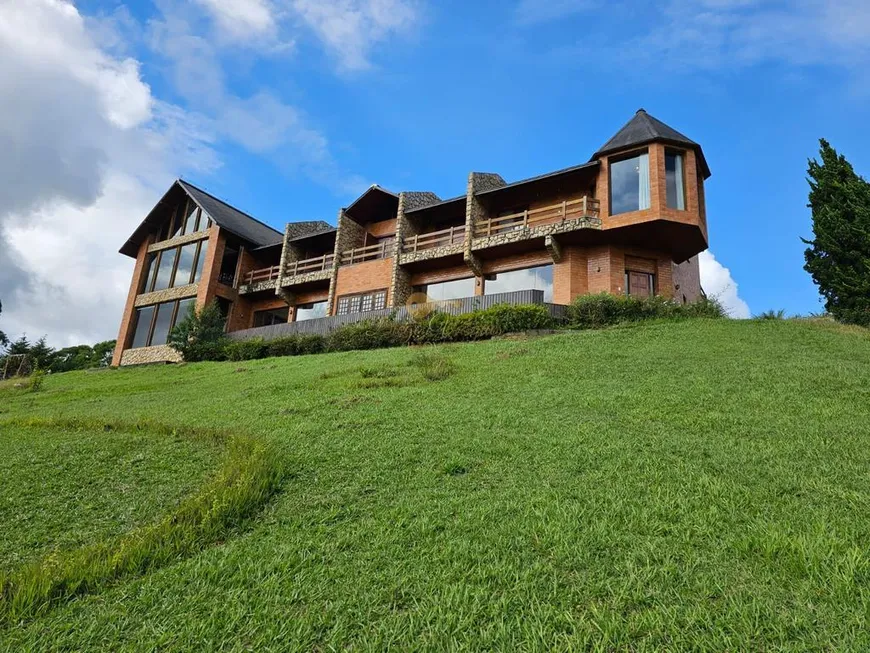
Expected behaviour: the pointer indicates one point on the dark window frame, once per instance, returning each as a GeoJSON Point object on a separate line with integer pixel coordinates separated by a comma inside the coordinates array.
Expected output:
{"type": "Point", "coordinates": [154, 266]}
{"type": "Point", "coordinates": [378, 302]}
{"type": "Point", "coordinates": [155, 309]}
{"type": "Point", "coordinates": [671, 152]}
{"type": "Point", "coordinates": [618, 159]}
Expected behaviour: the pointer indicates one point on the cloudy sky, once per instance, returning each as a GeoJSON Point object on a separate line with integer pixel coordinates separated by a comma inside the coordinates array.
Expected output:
{"type": "Point", "coordinates": [288, 108]}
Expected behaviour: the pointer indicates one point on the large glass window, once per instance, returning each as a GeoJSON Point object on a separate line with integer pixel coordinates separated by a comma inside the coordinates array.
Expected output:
{"type": "Point", "coordinates": [674, 181]}
{"type": "Point", "coordinates": [143, 326]}
{"type": "Point", "coordinates": [458, 289]}
{"type": "Point", "coordinates": [200, 261]}
{"type": "Point", "coordinates": [629, 184]}
{"type": "Point", "coordinates": [268, 318]}
{"type": "Point", "coordinates": [538, 278]}
{"type": "Point", "coordinates": [164, 269]}
{"type": "Point", "coordinates": [162, 323]}
{"type": "Point", "coordinates": [310, 311]}
{"type": "Point", "coordinates": [186, 260]}
{"type": "Point", "coordinates": [184, 308]}
{"type": "Point", "coordinates": [187, 218]}
{"type": "Point", "coordinates": [153, 323]}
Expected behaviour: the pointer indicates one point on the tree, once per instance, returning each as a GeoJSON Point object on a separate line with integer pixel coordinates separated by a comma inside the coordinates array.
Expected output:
{"type": "Point", "coordinates": [41, 354]}
{"type": "Point", "coordinates": [838, 258]}
{"type": "Point", "coordinates": [200, 335]}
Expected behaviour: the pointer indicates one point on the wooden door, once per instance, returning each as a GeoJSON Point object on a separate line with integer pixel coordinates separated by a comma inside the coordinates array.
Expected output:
{"type": "Point", "coordinates": [639, 284]}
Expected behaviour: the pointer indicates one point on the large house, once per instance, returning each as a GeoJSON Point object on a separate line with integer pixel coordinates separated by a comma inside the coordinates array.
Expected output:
{"type": "Point", "coordinates": [630, 221]}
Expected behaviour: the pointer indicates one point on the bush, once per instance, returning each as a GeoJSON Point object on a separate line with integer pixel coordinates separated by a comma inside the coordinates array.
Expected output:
{"type": "Point", "coordinates": [479, 325]}
{"type": "Point", "coordinates": [370, 334]}
{"type": "Point", "coordinates": [598, 311]}
{"type": "Point", "coordinates": [296, 345]}
{"type": "Point", "coordinates": [245, 350]}
{"type": "Point", "coordinates": [200, 335]}
{"type": "Point", "coordinates": [34, 384]}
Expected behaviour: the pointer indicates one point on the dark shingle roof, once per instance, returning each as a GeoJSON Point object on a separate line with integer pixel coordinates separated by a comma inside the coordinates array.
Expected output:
{"type": "Point", "coordinates": [547, 175]}
{"type": "Point", "coordinates": [644, 128]}
{"type": "Point", "coordinates": [230, 218]}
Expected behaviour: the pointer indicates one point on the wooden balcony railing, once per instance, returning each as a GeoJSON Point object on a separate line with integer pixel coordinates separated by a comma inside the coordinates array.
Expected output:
{"type": "Point", "coordinates": [316, 264]}
{"type": "Point", "coordinates": [371, 253]}
{"type": "Point", "coordinates": [451, 236]}
{"type": "Point", "coordinates": [585, 207]}
{"type": "Point", "coordinates": [266, 274]}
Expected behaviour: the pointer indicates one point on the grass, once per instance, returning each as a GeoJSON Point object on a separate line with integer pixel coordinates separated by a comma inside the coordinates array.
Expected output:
{"type": "Point", "coordinates": [692, 486]}
{"type": "Point", "coordinates": [63, 488]}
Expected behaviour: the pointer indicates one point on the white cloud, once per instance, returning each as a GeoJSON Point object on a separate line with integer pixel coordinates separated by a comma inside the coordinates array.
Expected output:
{"type": "Point", "coordinates": [242, 19]}
{"type": "Point", "coordinates": [86, 147]}
{"type": "Point", "coordinates": [717, 282]}
{"type": "Point", "coordinates": [720, 34]}
{"type": "Point", "coordinates": [349, 29]}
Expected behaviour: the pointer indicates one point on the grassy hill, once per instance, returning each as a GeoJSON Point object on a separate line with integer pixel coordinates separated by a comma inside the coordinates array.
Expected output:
{"type": "Point", "coordinates": [700, 485]}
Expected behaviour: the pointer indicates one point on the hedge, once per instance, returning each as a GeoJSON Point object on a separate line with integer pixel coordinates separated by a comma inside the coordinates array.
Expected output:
{"type": "Point", "coordinates": [586, 312]}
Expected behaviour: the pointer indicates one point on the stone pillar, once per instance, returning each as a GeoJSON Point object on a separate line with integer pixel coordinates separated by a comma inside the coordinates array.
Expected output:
{"type": "Point", "coordinates": [289, 254]}
{"type": "Point", "coordinates": [400, 281]}
{"type": "Point", "coordinates": [474, 213]}
{"type": "Point", "coordinates": [350, 234]}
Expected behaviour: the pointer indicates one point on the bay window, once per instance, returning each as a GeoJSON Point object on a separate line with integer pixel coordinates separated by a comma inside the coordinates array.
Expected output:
{"type": "Point", "coordinates": [629, 184]}
{"type": "Point", "coordinates": [674, 179]}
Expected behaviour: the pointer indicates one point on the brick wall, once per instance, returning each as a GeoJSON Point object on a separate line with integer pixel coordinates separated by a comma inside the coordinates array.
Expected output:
{"type": "Point", "coordinates": [570, 275]}
{"type": "Point", "coordinates": [125, 333]}
{"type": "Point", "coordinates": [363, 277]}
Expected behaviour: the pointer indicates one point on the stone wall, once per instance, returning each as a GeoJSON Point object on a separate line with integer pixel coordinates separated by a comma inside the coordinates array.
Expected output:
{"type": "Point", "coordinates": [350, 234]}
{"type": "Point", "coordinates": [475, 210]}
{"type": "Point", "coordinates": [143, 355]}
{"type": "Point", "coordinates": [400, 280]}
{"type": "Point", "coordinates": [167, 295]}
{"type": "Point", "coordinates": [541, 231]}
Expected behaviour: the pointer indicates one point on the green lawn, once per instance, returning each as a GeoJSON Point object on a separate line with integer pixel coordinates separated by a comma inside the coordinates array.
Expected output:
{"type": "Point", "coordinates": [692, 486]}
{"type": "Point", "coordinates": [65, 488]}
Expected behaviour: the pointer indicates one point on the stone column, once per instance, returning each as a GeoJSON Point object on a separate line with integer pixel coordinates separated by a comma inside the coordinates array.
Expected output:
{"type": "Point", "coordinates": [475, 212]}
{"type": "Point", "coordinates": [350, 234]}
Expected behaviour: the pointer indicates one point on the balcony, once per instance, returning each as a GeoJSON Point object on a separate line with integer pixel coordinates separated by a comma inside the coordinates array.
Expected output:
{"type": "Point", "coordinates": [311, 269]}
{"type": "Point", "coordinates": [374, 252]}
{"type": "Point", "coordinates": [435, 244]}
{"type": "Point", "coordinates": [558, 218]}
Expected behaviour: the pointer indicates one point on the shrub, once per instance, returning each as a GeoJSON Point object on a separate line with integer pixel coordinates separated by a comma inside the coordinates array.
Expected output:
{"type": "Point", "coordinates": [370, 334]}
{"type": "Point", "coordinates": [34, 384]}
{"type": "Point", "coordinates": [597, 311]}
{"type": "Point", "coordinates": [479, 325]}
{"type": "Point", "coordinates": [200, 335]}
{"type": "Point", "coordinates": [771, 315]}
{"type": "Point", "coordinates": [246, 350]}
{"type": "Point", "coordinates": [296, 345]}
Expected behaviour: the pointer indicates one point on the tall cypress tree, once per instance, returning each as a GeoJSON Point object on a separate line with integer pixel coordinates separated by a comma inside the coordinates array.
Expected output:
{"type": "Point", "coordinates": [838, 258]}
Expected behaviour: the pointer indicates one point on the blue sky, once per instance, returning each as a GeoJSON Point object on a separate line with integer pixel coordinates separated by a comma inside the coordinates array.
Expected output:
{"type": "Point", "coordinates": [289, 108]}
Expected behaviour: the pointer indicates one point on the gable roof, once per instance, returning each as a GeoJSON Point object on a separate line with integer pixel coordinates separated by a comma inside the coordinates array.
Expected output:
{"type": "Point", "coordinates": [227, 217]}
{"type": "Point", "coordinates": [232, 219]}
{"type": "Point", "coordinates": [644, 128]}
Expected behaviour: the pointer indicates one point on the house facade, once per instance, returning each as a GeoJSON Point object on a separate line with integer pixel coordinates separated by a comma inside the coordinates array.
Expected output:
{"type": "Point", "coordinates": [632, 220]}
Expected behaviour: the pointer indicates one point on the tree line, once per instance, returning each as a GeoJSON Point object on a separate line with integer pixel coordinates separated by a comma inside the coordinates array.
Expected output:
{"type": "Point", "coordinates": [67, 359]}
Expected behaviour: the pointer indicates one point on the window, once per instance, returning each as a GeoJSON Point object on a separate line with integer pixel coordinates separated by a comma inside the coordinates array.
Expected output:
{"type": "Point", "coordinates": [538, 278]}
{"type": "Point", "coordinates": [640, 284]}
{"type": "Point", "coordinates": [153, 323]}
{"type": "Point", "coordinates": [458, 289]}
{"type": "Point", "coordinates": [187, 218]}
{"type": "Point", "coordinates": [310, 311]}
{"type": "Point", "coordinates": [629, 184]}
{"type": "Point", "coordinates": [674, 181]}
{"type": "Point", "coordinates": [175, 267]}
{"type": "Point", "coordinates": [350, 304]}
{"type": "Point", "coordinates": [186, 260]}
{"type": "Point", "coordinates": [144, 316]}
{"type": "Point", "coordinates": [163, 272]}
{"type": "Point", "coordinates": [268, 318]}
